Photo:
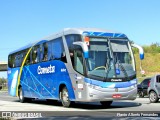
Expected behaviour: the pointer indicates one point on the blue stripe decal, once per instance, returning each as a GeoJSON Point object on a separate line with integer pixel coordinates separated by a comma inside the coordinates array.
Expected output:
{"type": "Point", "coordinates": [101, 34]}
{"type": "Point", "coordinates": [119, 35]}
{"type": "Point", "coordinates": [34, 78]}
{"type": "Point", "coordinates": [113, 34]}
{"type": "Point", "coordinates": [104, 34]}
{"type": "Point", "coordinates": [111, 84]}
{"type": "Point", "coordinates": [33, 90]}
{"type": "Point", "coordinates": [41, 80]}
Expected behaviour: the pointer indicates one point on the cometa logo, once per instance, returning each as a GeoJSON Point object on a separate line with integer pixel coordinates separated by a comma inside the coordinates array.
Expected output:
{"type": "Point", "coordinates": [45, 70]}
{"type": "Point", "coordinates": [116, 80]}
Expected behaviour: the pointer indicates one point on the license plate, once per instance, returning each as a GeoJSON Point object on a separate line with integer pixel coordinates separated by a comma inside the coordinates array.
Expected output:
{"type": "Point", "coordinates": [116, 96]}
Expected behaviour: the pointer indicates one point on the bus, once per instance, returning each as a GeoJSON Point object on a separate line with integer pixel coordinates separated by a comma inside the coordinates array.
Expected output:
{"type": "Point", "coordinates": [75, 65]}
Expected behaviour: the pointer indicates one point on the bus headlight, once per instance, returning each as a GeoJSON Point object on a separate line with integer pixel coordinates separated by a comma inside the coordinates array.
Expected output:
{"type": "Point", "coordinates": [133, 86]}
{"type": "Point", "coordinates": [93, 86]}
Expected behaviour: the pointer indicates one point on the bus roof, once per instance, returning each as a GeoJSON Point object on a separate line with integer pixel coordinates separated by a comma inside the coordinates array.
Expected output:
{"type": "Point", "coordinates": [28, 46]}
{"type": "Point", "coordinates": [87, 32]}
{"type": "Point", "coordinates": [83, 31]}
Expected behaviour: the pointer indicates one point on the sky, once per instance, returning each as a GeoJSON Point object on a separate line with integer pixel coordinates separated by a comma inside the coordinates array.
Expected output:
{"type": "Point", "coordinates": [25, 21]}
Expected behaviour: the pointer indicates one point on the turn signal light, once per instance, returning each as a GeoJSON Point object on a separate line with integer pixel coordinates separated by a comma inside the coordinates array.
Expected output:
{"type": "Point", "coordinates": [86, 40]}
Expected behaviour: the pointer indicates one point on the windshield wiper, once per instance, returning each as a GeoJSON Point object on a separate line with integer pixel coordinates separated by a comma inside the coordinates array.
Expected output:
{"type": "Point", "coordinates": [123, 69]}
{"type": "Point", "coordinates": [109, 67]}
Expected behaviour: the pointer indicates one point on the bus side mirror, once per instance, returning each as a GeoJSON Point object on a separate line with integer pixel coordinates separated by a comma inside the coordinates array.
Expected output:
{"type": "Point", "coordinates": [84, 48]}
{"type": "Point", "coordinates": [141, 52]}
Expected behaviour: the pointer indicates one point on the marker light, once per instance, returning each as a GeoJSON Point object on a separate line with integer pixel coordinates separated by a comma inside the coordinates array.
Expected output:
{"type": "Point", "coordinates": [86, 40]}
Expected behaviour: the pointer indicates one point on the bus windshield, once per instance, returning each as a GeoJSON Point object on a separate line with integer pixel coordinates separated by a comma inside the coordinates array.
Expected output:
{"type": "Point", "coordinates": [100, 59]}
{"type": "Point", "coordinates": [107, 61]}
{"type": "Point", "coordinates": [123, 58]}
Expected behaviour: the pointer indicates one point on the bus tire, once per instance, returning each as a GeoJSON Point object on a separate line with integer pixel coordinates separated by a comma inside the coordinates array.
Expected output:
{"type": "Point", "coordinates": [64, 96]}
{"type": "Point", "coordinates": [153, 97]}
{"type": "Point", "coordinates": [106, 103]}
{"type": "Point", "coordinates": [21, 95]}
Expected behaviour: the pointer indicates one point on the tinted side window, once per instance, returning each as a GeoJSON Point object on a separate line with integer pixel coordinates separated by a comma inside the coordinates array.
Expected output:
{"type": "Point", "coordinates": [35, 54]}
{"type": "Point", "coordinates": [45, 52]}
{"type": "Point", "coordinates": [145, 82]}
{"type": "Point", "coordinates": [28, 60]}
{"type": "Point", "coordinates": [70, 39]}
{"type": "Point", "coordinates": [78, 60]}
{"type": "Point", "coordinates": [158, 79]}
{"type": "Point", "coordinates": [16, 59]}
{"type": "Point", "coordinates": [11, 61]}
{"type": "Point", "coordinates": [56, 50]}
{"type": "Point", "coordinates": [23, 56]}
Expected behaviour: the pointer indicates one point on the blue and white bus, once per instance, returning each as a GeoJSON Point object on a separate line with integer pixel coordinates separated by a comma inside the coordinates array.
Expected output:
{"type": "Point", "coordinates": [82, 65]}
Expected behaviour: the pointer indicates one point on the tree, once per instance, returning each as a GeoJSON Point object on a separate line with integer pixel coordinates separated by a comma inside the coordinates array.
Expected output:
{"type": "Point", "coordinates": [2, 81]}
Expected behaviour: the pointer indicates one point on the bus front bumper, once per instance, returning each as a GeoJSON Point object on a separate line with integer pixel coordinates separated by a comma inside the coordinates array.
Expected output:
{"type": "Point", "coordinates": [94, 94]}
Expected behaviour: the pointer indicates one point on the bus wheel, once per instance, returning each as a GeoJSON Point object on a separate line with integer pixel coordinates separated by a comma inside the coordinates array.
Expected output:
{"type": "Point", "coordinates": [106, 103]}
{"type": "Point", "coordinates": [20, 95]}
{"type": "Point", "coordinates": [153, 97]}
{"type": "Point", "coordinates": [64, 96]}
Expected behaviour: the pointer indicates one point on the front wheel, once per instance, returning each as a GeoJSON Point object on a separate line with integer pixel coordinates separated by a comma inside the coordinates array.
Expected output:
{"type": "Point", "coordinates": [64, 96]}
{"type": "Point", "coordinates": [106, 103]}
{"type": "Point", "coordinates": [153, 97]}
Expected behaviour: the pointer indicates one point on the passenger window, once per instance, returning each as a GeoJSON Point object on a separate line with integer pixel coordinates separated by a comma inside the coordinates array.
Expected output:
{"type": "Point", "coordinates": [158, 79]}
{"type": "Point", "coordinates": [35, 54]}
{"type": "Point", "coordinates": [17, 60]}
{"type": "Point", "coordinates": [56, 50]}
{"type": "Point", "coordinates": [20, 59]}
{"type": "Point", "coordinates": [45, 52]}
{"type": "Point", "coordinates": [50, 55]}
{"type": "Point", "coordinates": [41, 53]}
{"type": "Point", "coordinates": [11, 61]}
{"type": "Point", "coordinates": [28, 60]}
{"type": "Point", "coordinates": [10, 64]}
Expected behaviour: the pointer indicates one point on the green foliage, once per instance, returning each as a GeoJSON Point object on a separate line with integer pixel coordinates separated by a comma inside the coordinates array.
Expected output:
{"type": "Point", "coordinates": [3, 84]}
{"type": "Point", "coordinates": [2, 81]}
{"type": "Point", "coordinates": [135, 50]}
{"type": "Point", "coordinates": [150, 64]}
{"type": "Point", "coordinates": [153, 48]}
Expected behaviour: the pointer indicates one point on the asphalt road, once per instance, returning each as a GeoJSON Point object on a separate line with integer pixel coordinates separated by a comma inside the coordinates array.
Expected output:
{"type": "Point", "coordinates": [141, 107]}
